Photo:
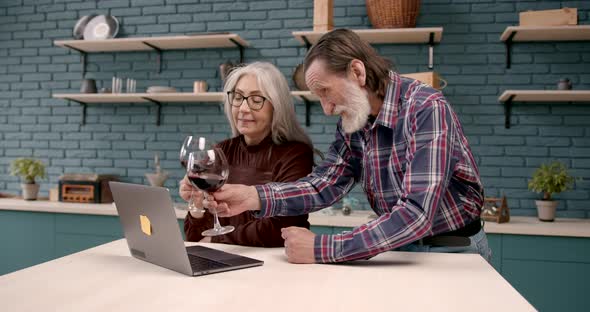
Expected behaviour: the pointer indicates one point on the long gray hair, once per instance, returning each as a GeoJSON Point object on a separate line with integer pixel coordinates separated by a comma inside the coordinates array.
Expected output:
{"type": "Point", "coordinates": [274, 86]}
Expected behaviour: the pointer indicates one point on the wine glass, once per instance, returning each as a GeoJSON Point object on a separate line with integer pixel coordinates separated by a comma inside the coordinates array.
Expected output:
{"type": "Point", "coordinates": [190, 144]}
{"type": "Point", "coordinates": [207, 170]}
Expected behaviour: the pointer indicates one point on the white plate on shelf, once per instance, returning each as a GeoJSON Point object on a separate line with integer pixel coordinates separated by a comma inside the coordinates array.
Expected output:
{"type": "Point", "coordinates": [161, 89]}
{"type": "Point", "coordinates": [101, 27]}
{"type": "Point", "coordinates": [81, 25]}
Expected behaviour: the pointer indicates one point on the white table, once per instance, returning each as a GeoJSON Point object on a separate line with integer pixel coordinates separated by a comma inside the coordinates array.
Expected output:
{"type": "Point", "coordinates": [107, 278]}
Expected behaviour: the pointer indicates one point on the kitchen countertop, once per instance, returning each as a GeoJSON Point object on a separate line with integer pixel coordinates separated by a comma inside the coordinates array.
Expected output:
{"type": "Point", "coordinates": [517, 225]}
{"type": "Point", "coordinates": [107, 278]}
{"type": "Point", "coordinates": [60, 207]}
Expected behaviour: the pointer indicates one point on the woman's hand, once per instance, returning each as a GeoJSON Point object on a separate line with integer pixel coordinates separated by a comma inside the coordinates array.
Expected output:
{"type": "Point", "coordinates": [185, 190]}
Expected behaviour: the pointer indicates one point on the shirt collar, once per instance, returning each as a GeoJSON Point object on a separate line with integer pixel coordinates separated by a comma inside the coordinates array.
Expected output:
{"type": "Point", "coordinates": [389, 110]}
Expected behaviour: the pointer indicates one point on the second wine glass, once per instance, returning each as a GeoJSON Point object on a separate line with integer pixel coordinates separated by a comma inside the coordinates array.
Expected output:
{"type": "Point", "coordinates": [190, 144]}
{"type": "Point", "coordinates": [207, 170]}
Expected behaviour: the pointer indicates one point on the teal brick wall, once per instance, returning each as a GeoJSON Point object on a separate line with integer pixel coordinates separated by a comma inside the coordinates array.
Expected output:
{"type": "Point", "coordinates": [122, 139]}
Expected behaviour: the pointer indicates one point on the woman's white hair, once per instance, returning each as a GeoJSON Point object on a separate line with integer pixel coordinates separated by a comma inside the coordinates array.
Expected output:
{"type": "Point", "coordinates": [274, 87]}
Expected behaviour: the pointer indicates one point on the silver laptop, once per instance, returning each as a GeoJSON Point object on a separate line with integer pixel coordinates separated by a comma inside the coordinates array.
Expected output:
{"type": "Point", "coordinates": [153, 233]}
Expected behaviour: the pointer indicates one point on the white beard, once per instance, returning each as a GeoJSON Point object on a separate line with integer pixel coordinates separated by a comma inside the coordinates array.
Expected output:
{"type": "Point", "coordinates": [356, 109]}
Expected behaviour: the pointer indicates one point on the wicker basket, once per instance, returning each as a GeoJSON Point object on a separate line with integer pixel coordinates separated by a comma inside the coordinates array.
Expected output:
{"type": "Point", "coordinates": [299, 78]}
{"type": "Point", "coordinates": [393, 13]}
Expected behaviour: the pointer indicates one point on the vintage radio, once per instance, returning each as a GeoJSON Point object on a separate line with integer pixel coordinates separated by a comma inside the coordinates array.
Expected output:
{"type": "Point", "coordinates": [85, 188]}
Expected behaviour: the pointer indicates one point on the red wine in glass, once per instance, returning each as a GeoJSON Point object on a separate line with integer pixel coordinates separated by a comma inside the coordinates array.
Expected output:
{"type": "Point", "coordinates": [207, 182]}
{"type": "Point", "coordinates": [190, 144]}
{"type": "Point", "coordinates": [208, 170]}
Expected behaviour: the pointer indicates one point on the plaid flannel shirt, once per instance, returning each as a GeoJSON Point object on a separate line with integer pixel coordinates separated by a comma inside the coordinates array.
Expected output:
{"type": "Point", "coordinates": [414, 164]}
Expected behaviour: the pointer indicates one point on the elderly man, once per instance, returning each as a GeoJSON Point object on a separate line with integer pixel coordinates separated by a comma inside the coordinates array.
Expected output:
{"type": "Point", "coordinates": [396, 136]}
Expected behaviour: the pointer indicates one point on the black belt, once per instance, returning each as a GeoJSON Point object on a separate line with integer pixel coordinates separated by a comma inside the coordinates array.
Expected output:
{"type": "Point", "coordinates": [455, 238]}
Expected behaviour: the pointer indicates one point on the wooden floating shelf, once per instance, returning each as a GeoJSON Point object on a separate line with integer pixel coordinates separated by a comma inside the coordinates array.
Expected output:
{"type": "Point", "coordinates": [545, 96]}
{"type": "Point", "coordinates": [305, 95]}
{"type": "Point", "coordinates": [152, 43]}
{"type": "Point", "coordinates": [164, 97]}
{"type": "Point", "coordinates": [546, 33]}
{"type": "Point", "coordinates": [378, 36]}
{"type": "Point", "coordinates": [555, 96]}
{"type": "Point", "coordinates": [171, 97]}
{"type": "Point", "coordinates": [427, 35]}
{"type": "Point", "coordinates": [93, 98]}
{"type": "Point", "coordinates": [542, 33]}
{"type": "Point", "coordinates": [157, 44]}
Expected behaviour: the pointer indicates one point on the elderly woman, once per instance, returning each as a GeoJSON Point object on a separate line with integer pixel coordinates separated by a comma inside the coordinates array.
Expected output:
{"type": "Point", "coordinates": [268, 145]}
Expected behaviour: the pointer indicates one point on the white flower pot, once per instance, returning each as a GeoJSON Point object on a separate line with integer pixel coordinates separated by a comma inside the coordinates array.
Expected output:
{"type": "Point", "coordinates": [157, 179]}
{"type": "Point", "coordinates": [30, 191]}
{"type": "Point", "coordinates": [546, 209]}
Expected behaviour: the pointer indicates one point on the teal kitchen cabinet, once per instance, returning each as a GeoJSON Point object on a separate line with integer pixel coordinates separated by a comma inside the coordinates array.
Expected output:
{"type": "Point", "coordinates": [495, 244]}
{"type": "Point", "coordinates": [77, 232]}
{"type": "Point", "coordinates": [26, 239]}
{"type": "Point", "coordinates": [551, 272]}
{"type": "Point", "coordinates": [29, 238]}
{"type": "Point", "coordinates": [339, 229]}
{"type": "Point", "coordinates": [319, 230]}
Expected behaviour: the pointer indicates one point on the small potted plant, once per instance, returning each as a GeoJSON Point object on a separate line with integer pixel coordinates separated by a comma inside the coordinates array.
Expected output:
{"type": "Point", "coordinates": [28, 169]}
{"type": "Point", "coordinates": [549, 179]}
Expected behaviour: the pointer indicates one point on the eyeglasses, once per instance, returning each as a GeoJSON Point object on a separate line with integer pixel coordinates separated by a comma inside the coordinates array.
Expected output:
{"type": "Point", "coordinates": [255, 102]}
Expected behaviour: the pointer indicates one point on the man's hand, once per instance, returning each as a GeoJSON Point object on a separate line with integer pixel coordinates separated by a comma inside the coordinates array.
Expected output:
{"type": "Point", "coordinates": [299, 244]}
{"type": "Point", "coordinates": [233, 199]}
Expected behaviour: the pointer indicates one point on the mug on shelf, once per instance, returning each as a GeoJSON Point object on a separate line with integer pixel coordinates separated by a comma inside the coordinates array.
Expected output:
{"type": "Point", "coordinates": [88, 86]}
{"type": "Point", "coordinates": [564, 84]}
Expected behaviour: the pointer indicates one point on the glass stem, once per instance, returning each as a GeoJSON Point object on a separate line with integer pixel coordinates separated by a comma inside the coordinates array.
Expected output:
{"type": "Point", "coordinates": [216, 224]}
{"type": "Point", "coordinates": [191, 204]}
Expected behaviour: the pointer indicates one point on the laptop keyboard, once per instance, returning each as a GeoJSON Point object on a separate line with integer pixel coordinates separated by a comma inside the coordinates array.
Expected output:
{"type": "Point", "coordinates": [199, 264]}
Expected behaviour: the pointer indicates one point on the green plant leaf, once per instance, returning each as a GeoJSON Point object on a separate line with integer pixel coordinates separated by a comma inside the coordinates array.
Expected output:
{"type": "Point", "coordinates": [28, 169]}
{"type": "Point", "coordinates": [551, 179]}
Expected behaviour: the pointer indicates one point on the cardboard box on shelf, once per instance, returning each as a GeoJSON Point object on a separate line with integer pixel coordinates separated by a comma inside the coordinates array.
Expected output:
{"type": "Point", "coordinates": [565, 16]}
{"type": "Point", "coordinates": [431, 78]}
{"type": "Point", "coordinates": [323, 15]}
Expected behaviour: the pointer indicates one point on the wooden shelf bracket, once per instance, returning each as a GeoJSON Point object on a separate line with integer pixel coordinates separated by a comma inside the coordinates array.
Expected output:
{"type": "Point", "coordinates": [82, 58]}
{"type": "Point", "coordinates": [307, 112]}
{"type": "Point", "coordinates": [241, 47]}
{"type": "Point", "coordinates": [508, 44]}
{"type": "Point", "coordinates": [84, 105]}
{"type": "Point", "coordinates": [158, 55]}
{"type": "Point", "coordinates": [158, 109]}
{"type": "Point", "coordinates": [507, 111]}
{"type": "Point", "coordinates": [306, 41]}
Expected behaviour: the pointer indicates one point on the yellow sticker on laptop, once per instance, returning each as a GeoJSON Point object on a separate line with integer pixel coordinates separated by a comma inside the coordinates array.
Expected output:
{"type": "Point", "coordinates": [146, 225]}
